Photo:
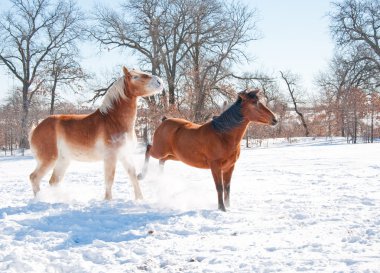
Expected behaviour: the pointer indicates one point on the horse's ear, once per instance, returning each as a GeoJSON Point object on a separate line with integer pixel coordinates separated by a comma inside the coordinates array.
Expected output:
{"type": "Point", "coordinates": [243, 94]}
{"type": "Point", "coordinates": [126, 72]}
{"type": "Point", "coordinates": [127, 79]}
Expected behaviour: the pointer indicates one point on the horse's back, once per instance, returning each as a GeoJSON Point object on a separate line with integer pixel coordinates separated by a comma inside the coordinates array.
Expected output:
{"type": "Point", "coordinates": [171, 126]}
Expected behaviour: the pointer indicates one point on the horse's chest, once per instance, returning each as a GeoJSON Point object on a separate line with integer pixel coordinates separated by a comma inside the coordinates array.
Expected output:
{"type": "Point", "coordinates": [230, 160]}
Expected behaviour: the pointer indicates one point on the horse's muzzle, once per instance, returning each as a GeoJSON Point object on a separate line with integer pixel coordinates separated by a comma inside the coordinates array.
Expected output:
{"type": "Point", "coordinates": [274, 121]}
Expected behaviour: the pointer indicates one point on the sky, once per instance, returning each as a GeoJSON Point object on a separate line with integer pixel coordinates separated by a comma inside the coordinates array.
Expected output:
{"type": "Point", "coordinates": [294, 36]}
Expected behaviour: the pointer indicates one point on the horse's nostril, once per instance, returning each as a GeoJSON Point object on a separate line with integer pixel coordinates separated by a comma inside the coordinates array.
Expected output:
{"type": "Point", "coordinates": [274, 121]}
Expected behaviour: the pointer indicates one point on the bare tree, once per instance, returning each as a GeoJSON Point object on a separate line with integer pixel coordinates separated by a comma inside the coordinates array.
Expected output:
{"type": "Point", "coordinates": [291, 84]}
{"type": "Point", "coordinates": [63, 71]}
{"type": "Point", "coordinates": [357, 22]}
{"type": "Point", "coordinates": [347, 74]}
{"type": "Point", "coordinates": [11, 113]}
{"type": "Point", "coordinates": [355, 26]}
{"type": "Point", "coordinates": [29, 31]}
{"type": "Point", "coordinates": [221, 33]}
{"type": "Point", "coordinates": [175, 30]}
{"type": "Point", "coordinates": [187, 42]}
{"type": "Point", "coordinates": [135, 27]}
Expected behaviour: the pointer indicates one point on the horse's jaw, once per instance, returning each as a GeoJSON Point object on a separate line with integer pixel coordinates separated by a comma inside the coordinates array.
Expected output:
{"type": "Point", "coordinates": [155, 86]}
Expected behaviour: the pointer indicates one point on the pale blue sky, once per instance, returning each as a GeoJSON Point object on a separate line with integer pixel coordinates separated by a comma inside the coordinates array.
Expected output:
{"type": "Point", "coordinates": [295, 37]}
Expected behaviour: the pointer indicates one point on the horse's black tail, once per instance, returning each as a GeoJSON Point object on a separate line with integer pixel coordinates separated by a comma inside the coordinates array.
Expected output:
{"type": "Point", "coordinates": [145, 167]}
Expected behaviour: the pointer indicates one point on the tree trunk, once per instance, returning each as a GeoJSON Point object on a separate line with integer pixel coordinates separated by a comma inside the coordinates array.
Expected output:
{"type": "Point", "coordinates": [355, 133]}
{"type": "Point", "coordinates": [52, 101]}
{"type": "Point", "coordinates": [372, 115]}
{"type": "Point", "coordinates": [355, 125]}
{"type": "Point", "coordinates": [342, 127]}
{"type": "Point", "coordinates": [199, 107]}
{"type": "Point", "coordinates": [292, 96]}
{"type": "Point", "coordinates": [171, 91]}
{"type": "Point", "coordinates": [303, 122]}
{"type": "Point", "coordinates": [198, 90]}
{"type": "Point", "coordinates": [24, 143]}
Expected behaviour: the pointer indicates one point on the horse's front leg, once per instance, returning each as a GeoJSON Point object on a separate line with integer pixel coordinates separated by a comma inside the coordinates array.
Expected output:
{"type": "Point", "coordinates": [130, 168]}
{"type": "Point", "coordinates": [218, 179]}
{"type": "Point", "coordinates": [227, 184]}
{"type": "Point", "coordinates": [109, 175]}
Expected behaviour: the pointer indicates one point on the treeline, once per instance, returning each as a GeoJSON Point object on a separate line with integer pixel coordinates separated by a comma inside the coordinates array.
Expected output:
{"type": "Point", "coordinates": [193, 45]}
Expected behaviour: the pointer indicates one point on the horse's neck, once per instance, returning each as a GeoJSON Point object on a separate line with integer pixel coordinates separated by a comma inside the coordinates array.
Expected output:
{"type": "Point", "coordinates": [123, 114]}
{"type": "Point", "coordinates": [236, 134]}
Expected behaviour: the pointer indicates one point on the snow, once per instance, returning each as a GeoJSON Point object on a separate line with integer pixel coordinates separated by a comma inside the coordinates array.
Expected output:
{"type": "Point", "coordinates": [309, 206]}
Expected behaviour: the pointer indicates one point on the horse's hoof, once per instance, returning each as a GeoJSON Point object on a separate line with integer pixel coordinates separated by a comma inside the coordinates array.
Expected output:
{"type": "Point", "coordinates": [140, 176]}
{"type": "Point", "coordinates": [222, 208]}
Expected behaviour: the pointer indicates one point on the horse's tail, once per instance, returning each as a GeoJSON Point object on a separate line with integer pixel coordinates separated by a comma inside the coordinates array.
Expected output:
{"type": "Point", "coordinates": [145, 167]}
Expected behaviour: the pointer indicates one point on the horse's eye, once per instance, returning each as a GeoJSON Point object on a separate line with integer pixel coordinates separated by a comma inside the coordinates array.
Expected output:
{"type": "Point", "coordinates": [135, 77]}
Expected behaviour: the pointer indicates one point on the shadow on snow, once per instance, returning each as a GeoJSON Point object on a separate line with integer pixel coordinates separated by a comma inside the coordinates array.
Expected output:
{"type": "Point", "coordinates": [108, 222]}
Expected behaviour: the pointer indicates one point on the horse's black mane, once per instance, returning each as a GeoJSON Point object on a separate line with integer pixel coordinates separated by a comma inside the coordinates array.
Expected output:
{"type": "Point", "coordinates": [229, 119]}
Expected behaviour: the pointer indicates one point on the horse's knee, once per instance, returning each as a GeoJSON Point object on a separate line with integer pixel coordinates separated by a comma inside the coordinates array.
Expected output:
{"type": "Point", "coordinates": [32, 177]}
{"type": "Point", "coordinates": [35, 182]}
{"type": "Point", "coordinates": [54, 180]}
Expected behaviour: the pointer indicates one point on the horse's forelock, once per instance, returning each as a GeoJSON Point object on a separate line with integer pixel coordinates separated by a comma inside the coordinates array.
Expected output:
{"type": "Point", "coordinates": [114, 93]}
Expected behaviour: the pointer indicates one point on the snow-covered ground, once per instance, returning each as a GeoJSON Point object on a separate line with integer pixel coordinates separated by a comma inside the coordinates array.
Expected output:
{"type": "Point", "coordinates": [310, 206]}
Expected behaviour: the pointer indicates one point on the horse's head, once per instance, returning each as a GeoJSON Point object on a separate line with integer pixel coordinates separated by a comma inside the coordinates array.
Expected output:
{"type": "Point", "coordinates": [255, 110]}
{"type": "Point", "coordinates": [138, 83]}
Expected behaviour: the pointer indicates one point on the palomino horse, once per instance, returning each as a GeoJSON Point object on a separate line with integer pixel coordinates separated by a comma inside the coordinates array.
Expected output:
{"type": "Point", "coordinates": [104, 135]}
{"type": "Point", "coordinates": [214, 145]}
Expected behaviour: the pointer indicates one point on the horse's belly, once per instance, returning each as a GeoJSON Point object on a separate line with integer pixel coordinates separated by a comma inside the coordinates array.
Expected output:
{"type": "Point", "coordinates": [81, 152]}
{"type": "Point", "coordinates": [194, 160]}
{"type": "Point", "coordinates": [86, 155]}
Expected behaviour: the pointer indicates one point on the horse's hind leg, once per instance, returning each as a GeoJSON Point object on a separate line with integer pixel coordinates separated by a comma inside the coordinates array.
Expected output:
{"type": "Point", "coordinates": [162, 161]}
{"type": "Point", "coordinates": [59, 171]}
{"type": "Point", "coordinates": [161, 165]}
{"type": "Point", "coordinates": [109, 175]}
{"type": "Point", "coordinates": [36, 176]}
{"type": "Point", "coordinates": [146, 163]}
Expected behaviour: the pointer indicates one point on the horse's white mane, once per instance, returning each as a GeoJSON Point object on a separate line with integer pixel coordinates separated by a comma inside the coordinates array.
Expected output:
{"type": "Point", "coordinates": [114, 93]}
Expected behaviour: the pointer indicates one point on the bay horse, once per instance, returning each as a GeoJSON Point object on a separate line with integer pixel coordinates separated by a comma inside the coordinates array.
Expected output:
{"type": "Point", "coordinates": [106, 134]}
{"type": "Point", "coordinates": [214, 145]}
